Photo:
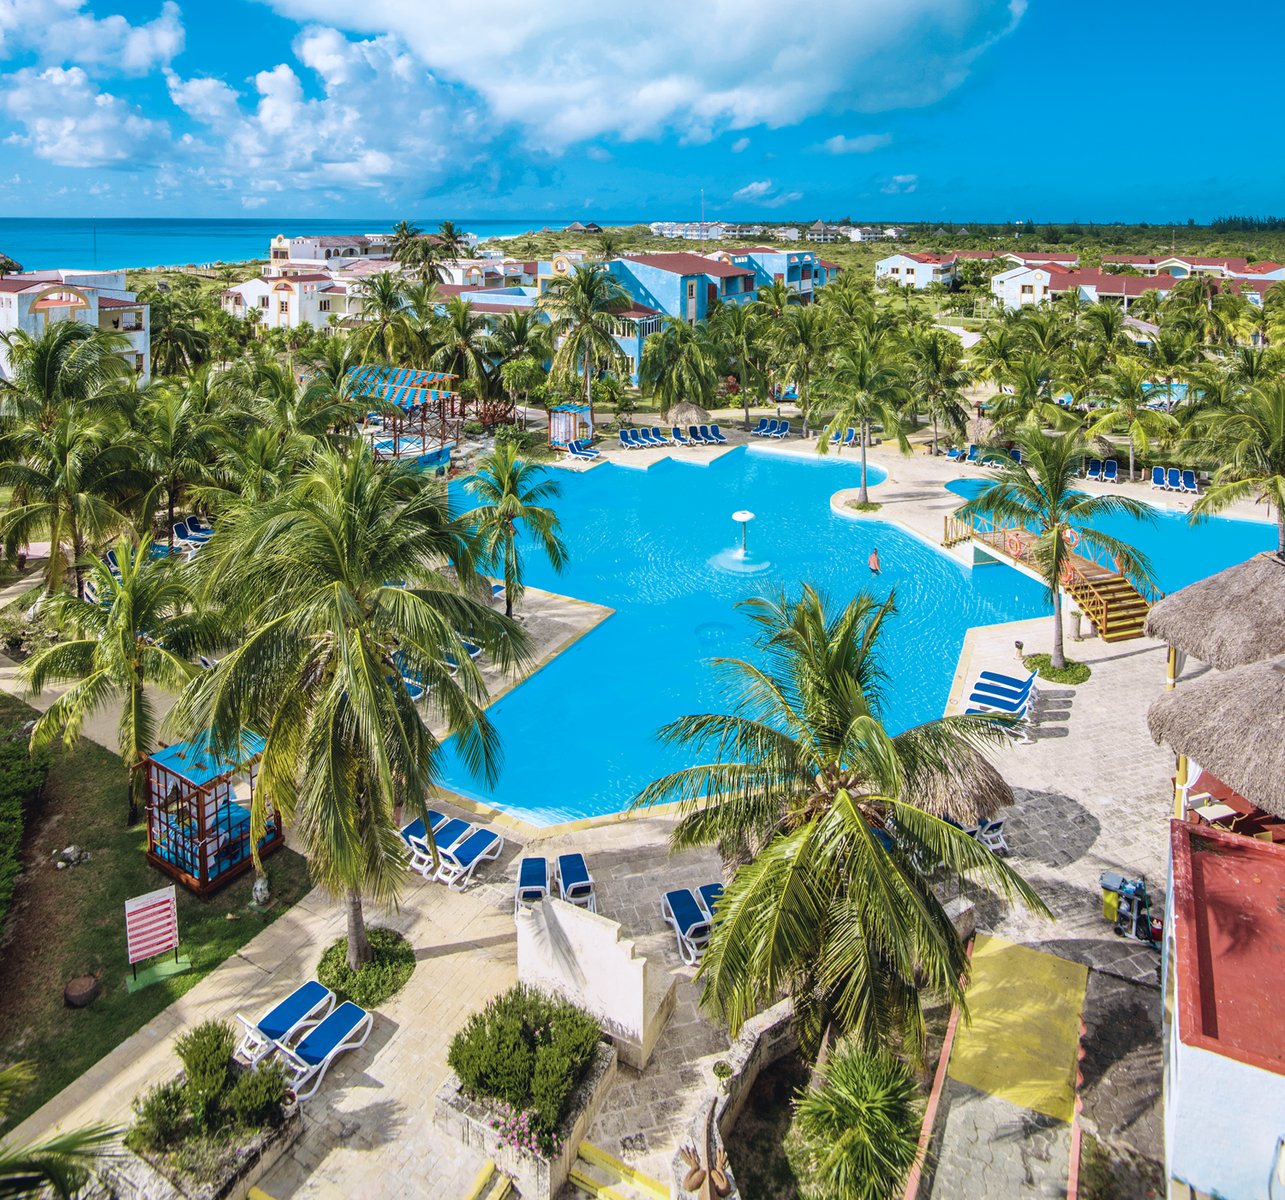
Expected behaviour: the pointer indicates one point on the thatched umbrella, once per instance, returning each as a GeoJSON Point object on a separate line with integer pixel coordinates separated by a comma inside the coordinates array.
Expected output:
{"type": "Point", "coordinates": [970, 790]}
{"type": "Point", "coordinates": [1233, 724]}
{"type": "Point", "coordinates": [687, 413]}
{"type": "Point", "coordinates": [1232, 618]}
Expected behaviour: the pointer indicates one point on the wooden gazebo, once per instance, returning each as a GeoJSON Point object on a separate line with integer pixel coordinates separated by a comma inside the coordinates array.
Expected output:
{"type": "Point", "coordinates": [570, 423]}
{"type": "Point", "coordinates": [198, 812]}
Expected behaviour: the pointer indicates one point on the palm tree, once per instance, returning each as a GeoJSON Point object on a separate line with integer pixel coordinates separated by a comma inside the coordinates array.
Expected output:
{"type": "Point", "coordinates": [1104, 323]}
{"type": "Point", "coordinates": [680, 362]}
{"type": "Point", "coordinates": [68, 365]}
{"type": "Point", "coordinates": [1125, 386]}
{"type": "Point", "coordinates": [383, 329]}
{"type": "Point", "coordinates": [1040, 494]}
{"type": "Point", "coordinates": [464, 348]}
{"type": "Point", "coordinates": [833, 908]}
{"type": "Point", "coordinates": [339, 584]}
{"type": "Point", "coordinates": [800, 344]}
{"type": "Point", "coordinates": [405, 235]}
{"type": "Point", "coordinates": [609, 245]}
{"type": "Point", "coordinates": [938, 378]}
{"type": "Point", "coordinates": [178, 341]}
{"type": "Point", "coordinates": [452, 242]}
{"type": "Point", "coordinates": [513, 495]}
{"type": "Point", "coordinates": [737, 331]}
{"type": "Point", "coordinates": [1173, 354]}
{"type": "Point", "coordinates": [867, 384]}
{"type": "Point", "coordinates": [134, 633]}
{"type": "Point", "coordinates": [521, 334]}
{"type": "Point", "coordinates": [177, 427]}
{"type": "Point", "coordinates": [858, 1126]}
{"type": "Point", "coordinates": [1246, 435]}
{"type": "Point", "coordinates": [57, 1164]}
{"type": "Point", "coordinates": [420, 302]}
{"type": "Point", "coordinates": [582, 309]}
{"type": "Point", "coordinates": [775, 298]}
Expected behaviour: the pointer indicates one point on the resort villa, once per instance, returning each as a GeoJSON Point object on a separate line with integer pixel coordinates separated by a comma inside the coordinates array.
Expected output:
{"type": "Point", "coordinates": [34, 300]}
{"type": "Point", "coordinates": [921, 270]}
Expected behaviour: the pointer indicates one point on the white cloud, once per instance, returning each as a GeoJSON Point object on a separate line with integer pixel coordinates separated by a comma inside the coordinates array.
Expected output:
{"type": "Point", "coordinates": [761, 193]}
{"type": "Point", "coordinates": [68, 121]}
{"type": "Point", "coordinates": [62, 32]}
{"type": "Point", "coordinates": [597, 154]}
{"type": "Point", "coordinates": [900, 185]}
{"type": "Point", "coordinates": [208, 100]}
{"type": "Point", "coordinates": [863, 144]}
{"type": "Point", "coordinates": [753, 191]}
{"type": "Point", "coordinates": [740, 145]}
{"type": "Point", "coordinates": [565, 75]}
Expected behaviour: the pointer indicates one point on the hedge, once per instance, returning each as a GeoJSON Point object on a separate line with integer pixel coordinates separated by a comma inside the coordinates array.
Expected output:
{"type": "Point", "coordinates": [22, 775]}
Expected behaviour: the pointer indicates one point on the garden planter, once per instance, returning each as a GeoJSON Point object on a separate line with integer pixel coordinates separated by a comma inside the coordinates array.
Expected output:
{"type": "Point", "coordinates": [471, 1122]}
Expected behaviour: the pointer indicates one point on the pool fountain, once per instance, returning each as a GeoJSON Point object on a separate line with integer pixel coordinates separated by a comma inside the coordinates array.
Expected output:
{"type": "Point", "coordinates": [738, 559]}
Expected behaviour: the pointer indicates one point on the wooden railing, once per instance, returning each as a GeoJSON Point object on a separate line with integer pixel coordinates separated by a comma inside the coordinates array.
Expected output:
{"type": "Point", "coordinates": [1093, 604]}
{"type": "Point", "coordinates": [956, 530]}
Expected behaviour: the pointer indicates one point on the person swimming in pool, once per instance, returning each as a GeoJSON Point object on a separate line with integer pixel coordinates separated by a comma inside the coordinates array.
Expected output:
{"type": "Point", "coordinates": [873, 562]}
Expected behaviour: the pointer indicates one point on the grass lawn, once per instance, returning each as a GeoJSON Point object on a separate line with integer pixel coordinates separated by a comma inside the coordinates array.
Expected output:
{"type": "Point", "coordinates": [71, 922]}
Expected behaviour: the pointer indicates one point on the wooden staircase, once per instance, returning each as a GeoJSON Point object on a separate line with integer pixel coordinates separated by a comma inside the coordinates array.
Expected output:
{"type": "Point", "coordinates": [601, 1176]}
{"type": "Point", "coordinates": [1116, 608]}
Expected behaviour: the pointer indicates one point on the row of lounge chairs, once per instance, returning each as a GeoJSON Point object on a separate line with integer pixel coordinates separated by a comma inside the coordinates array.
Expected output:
{"type": "Point", "coordinates": [1103, 472]}
{"type": "Point", "coordinates": [1175, 479]}
{"type": "Point", "coordinates": [320, 1033]}
{"type": "Point", "coordinates": [843, 438]}
{"type": "Point", "coordinates": [975, 455]}
{"type": "Point", "coordinates": [575, 884]}
{"type": "Point", "coordinates": [582, 450]}
{"type": "Point", "coordinates": [997, 694]}
{"type": "Point", "coordinates": [771, 428]}
{"type": "Point", "coordinates": [696, 435]}
{"type": "Point", "coordinates": [461, 848]}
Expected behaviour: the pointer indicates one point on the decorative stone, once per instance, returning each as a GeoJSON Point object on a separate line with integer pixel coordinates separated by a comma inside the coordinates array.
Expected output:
{"type": "Point", "coordinates": [261, 892]}
{"type": "Point", "coordinates": [82, 991]}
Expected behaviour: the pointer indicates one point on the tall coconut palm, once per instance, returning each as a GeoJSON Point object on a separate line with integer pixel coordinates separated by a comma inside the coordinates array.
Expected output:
{"type": "Point", "coordinates": [867, 384]}
{"type": "Point", "coordinates": [582, 309]}
{"type": "Point", "coordinates": [1172, 355]}
{"type": "Point", "coordinates": [775, 299]}
{"type": "Point", "coordinates": [1040, 494]}
{"type": "Point", "coordinates": [134, 634]}
{"type": "Point", "coordinates": [737, 332]}
{"type": "Point", "coordinates": [177, 337]}
{"type": "Point", "coordinates": [680, 362]}
{"type": "Point", "coordinates": [800, 343]}
{"type": "Point", "coordinates": [1126, 391]}
{"type": "Point", "coordinates": [937, 379]}
{"type": "Point", "coordinates": [382, 332]}
{"type": "Point", "coordinates": [513, 499]}
{"type": "Point", "coordinates": [66, 366]}
{"type": "Point", "coordinates": [421, 319]}
{"type": "Point", "coordinates": [1104, 323]}
{"type": "Point", "coordinates": [464, 347]}
{"type": "Point", "coordinates": [452, 242]}
{"type": "Point", "coordinates": [521, 334]}
{"type": "Point", "coordinates": [177, 426]}
{"type": "Point", "coordinates": [55, 1166]}
{"type": "Point", "coordinates": [833, 907]}
{"type": "Point", "coordinates": [1245, 435]}
{"type": "Point", "coordinates": [339, 584]}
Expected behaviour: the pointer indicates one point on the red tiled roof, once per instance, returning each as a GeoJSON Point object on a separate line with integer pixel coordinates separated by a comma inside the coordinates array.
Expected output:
{"type": "Point", "coordinates": [112, 302]}
{"type": "Point", "coordinates": [833, 266]}
{"type": "Point", "coordinates": [336, 289]}
{"type": "Point", "coordinates": [1107, 284]}
{"type": "Point", "coordinates": [927, 258]}
{"type": "Point", "coordinates": [1260, 268]}
{"type": "Point", "coordinates": [682, 263]}
{"type": "Point", "coordinates": [306, 277]}
{"type": "Point", "coordinates": [16, 283]}
{"type": "Point", "coordinates": [639, 310]}
{"type": "Point", "coordinates": [1151, 260]}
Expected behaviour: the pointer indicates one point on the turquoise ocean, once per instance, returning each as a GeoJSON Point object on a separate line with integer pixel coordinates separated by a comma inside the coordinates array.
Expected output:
{"type": "Point", "coordinates": [39, 243]}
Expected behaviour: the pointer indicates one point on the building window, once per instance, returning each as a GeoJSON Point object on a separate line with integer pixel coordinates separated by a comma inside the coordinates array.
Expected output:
{"type": "Point", "coordinates": [263, 302]}
{"type": "Point", "coordinates": [283, 307]}
{"type": "Point", "coordinates": [323, 305]}
{"type": "Point", "coordinates": [1028, 290]}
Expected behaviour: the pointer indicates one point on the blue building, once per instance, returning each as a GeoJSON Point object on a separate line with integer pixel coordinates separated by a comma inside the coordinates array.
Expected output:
{"type": "Point", "coordinates": [800, 270]}
{"type": "Point", "coordinates": [684, 285]}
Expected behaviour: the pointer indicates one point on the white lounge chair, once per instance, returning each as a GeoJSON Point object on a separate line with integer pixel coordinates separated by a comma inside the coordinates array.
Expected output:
{"type": "Point", "coordinates": [991, 835]}
{"type": "Point", "coordinates": [416, 834]}
{"type": "Point", "coordinates": [461, 860]}
{"type": "Point", "coordinates": [533, 882]}
{"type": "Point", "coordinates": [575, 884]}
{"type": "Point", "coordinates": [306, 1065]}
{"type": "Point", "coordinates": [682, 911]}
{"type": "Point", "coordinates": [305, 1007]}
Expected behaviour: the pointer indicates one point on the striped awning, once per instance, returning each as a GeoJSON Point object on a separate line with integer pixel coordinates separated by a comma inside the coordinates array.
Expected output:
{"type": "Point", "coordinates": [370, 376]}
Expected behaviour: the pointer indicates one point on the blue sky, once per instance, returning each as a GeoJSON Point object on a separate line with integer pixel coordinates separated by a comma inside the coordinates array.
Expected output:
{"type": "Point", "coordinates": [879, 109]}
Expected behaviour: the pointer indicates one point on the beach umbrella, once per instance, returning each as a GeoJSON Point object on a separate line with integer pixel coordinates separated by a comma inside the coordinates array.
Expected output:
{"type": "Point", "coordinates": [687, 413]}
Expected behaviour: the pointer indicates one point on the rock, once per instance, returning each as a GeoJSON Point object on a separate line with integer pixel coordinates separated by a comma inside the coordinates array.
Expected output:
{"type": "Point", "coordinates": [82, 991]}
{"type": "Point", "coordinates": [60, 865]}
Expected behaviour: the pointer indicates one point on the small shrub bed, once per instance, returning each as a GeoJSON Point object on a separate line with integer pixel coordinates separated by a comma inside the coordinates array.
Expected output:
{"type": "Point", "coordinates": [195, 1124]}
{"type": "Point", "coordinates": [527, 1052]}
{"type": "Point", "coordinates": [22, 775]}
{"type": "Point", "coordinates": [384, 976]}
{"type": "Point", "coordinates": [868, 506]}
{"type": "Point", "coordinates": [1042, 664]}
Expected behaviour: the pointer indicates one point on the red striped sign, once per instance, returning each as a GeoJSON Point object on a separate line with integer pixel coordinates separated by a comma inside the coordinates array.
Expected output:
{"type": "Point", "coordinates": [151, 924]}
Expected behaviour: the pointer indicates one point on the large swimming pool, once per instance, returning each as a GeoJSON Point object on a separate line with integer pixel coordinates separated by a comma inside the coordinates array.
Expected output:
{"type": "Point", "coordinates": [1180, 552]}
{"type": "Point", "coordinates": [579, 735]}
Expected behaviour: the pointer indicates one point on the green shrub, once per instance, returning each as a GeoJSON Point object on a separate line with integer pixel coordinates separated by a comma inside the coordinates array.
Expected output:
{"type": "Point", "coordinates": [22, 775]}
{"type": "Point", "coordinates": [527, 1050]}
{"type": "Point", "coordinates": [474, 428]}
{"type": "Point", "coordinates": [1073, 672]}
{"type": "Point", "coordinates": [254, 1100]}
{"type": "Point", "coordinates": [206, 1054]}
{"type": "Point", "coordinates": [160, 1118]}
{"type": "Point", "coordinates": [384, 976]}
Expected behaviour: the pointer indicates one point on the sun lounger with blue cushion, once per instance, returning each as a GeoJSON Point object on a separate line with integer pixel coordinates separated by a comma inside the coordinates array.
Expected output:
{"type": "Point", "coordinates": [1001, 692]}
{"type": "Point", "coordinates": [954, 454]}
{"type": "Point", "coordinates": [306, 1065]}
{"type": "Point", "coordinates": [707, 896]}
{"type": "Point", "coordinates": [1095, 469]}
{"type": "Point", "coordinates": [680, 438]}
{"type": "Point", "coordinates": [533, 882]}
{"type": "Point", "coordinates": [461, 860]}
{"type": "Point", "coordinates": [1189, 482]}
{"type": "Point", "coordinates": [643, 437]}
{"type": "Point", "coordinates": [659, 438]}
{"type": "Point", "coordinates": [305, 1007]}
{"type": "Point", "coordinates": [575, 884]}
{"type": "Point", "coordinates": [974, 452]}
{"type": "Point", "coordinates": [1157, 477]}
{"type": "Point", "coordinates": [694, 434]}
{"type": "Point", "coordinates": [580, 450]}
{"type": "Point", "coordinates": [691, 926]}
{"type": "Point", "coordinates": [717, 435]}
{"type": "Point", "coordinates": [197, 526]}
{"type": "Point", "coordinates": [1012, 682]}
{"type": "Point", "coordinates": [769, 430]}
{"type": "Point", "coordinates": [760, 429]}
{"type": "Point", "coordinates": [1111, 471]}
{"type": "Point", "coordinates": [415, 835]}
{"type": "Point", "coordinates": [781, 431]}
{"type": "Point", "coordinates": [1173, 480]}
{"type": "Point", "coordinates": [626, 442]}
{"type": "Point", "coordinates": [1010, 706]}
{"type": "Point", "coordinates": [1016, 454]}
{"type": "Point", "coordinates": [836, 437]}
{"type": "Point", "coordinates": [708, 438]}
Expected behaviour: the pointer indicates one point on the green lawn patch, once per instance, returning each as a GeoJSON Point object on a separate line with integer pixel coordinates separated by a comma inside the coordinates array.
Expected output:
{"type": "Point", "coordinates": [868, 507]}
{"type": "Point", "coordinates": [72, 922]}
{"type": "Point", "coordinates": [374, 982]}
{"type": "Point", "coordinates": [1073, 672]}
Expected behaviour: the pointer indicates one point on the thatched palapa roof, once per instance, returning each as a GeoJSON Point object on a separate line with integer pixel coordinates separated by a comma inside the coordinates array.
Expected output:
{"type": "Point", "coordinates": [686, 413]}
{"type": "Point", "coordinates": [1233, 724]}
{"type": "Point", "coordinates": [1232, 618]}
{"type": "Point", "coordinates": [968, 791]}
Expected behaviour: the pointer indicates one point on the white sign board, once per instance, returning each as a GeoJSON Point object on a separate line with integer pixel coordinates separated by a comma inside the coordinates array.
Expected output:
{"type": "Point", "coordinates": [151, 924]}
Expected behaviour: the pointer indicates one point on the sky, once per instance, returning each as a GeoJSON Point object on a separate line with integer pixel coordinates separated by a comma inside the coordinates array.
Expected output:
{"type": "Point", "coordinates": [874, 109]}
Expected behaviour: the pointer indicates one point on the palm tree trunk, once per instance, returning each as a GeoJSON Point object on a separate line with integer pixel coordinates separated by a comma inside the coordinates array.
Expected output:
{"type": "Point", "coordinates": [1058, 657]}
{"type": "Point", "coordinates": [358, 944]}
{"type": "Point", "coordinates": [1131, 474]}
{"type": "Point", "coordinates": [1280, 534]}
{"type": "Point", "coordinates": [170, 496]}
{"type": "Point", "coordinates": [934, 435]}
{"type": "Point", "coordinates": [864, 497]}
{"type": "Point", "coordinates": [745, 399]}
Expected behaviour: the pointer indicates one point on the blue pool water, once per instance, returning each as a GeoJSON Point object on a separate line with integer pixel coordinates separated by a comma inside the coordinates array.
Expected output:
{"type": "Point", "coordinates": [579, 735]}
{"type": "Point", "coordinates": [1180, 552]}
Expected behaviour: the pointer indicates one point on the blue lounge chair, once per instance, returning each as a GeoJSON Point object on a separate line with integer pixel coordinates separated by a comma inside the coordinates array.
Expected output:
{"type": "Point", "coordinates": [1000, 693]}
{"type": "Point", "coordinates": [626, 442]}
{"type": "Point", "coordinates": [680, 438]}
{"type": "Point", "coordinates": [769, 430]}
{"type": "Point", "coordinates": [954, 454]}
{"type": "Point", "coordinates": [991, 835]}
{"type": "Point", "coordinates": [1010, 706]}
{"type": "Point", "coordinates": [575, 884]}
{"type": "Point", "coordinates": [305, 1007]}
{"type": "Point", "coordinates": [973, 453]}
{"type": "Point", "coordinates": [1189, 483]}
{"type": "Point", "coordinates": [643, 437]}
{"type": "Point", "coordinates": [696, 437]}
{"type": "Point", "coordinates": [850, 437]}
{"type": "Point", "coordinates": [533, 882]}
{"type": "Point", "coordinates": [1016, 454]}
{"type": "Point", "coordinates": [196, 525]}
{"type": "Point", "coordinates": [112, 564]}
{"type": "Point", "coordinates": [461, 860]}
{"type": "Point", "coordinates": [445, 836]}
{"type": "Point", "coordinates": [580, 450]}
{"type": "Point", "coordinates": [1111, 471]}
{"type": "Point", "coordinates": [1028, 684]}
{"type": "Point", "coordinates": [717, 435]}
{"type": "Point", "coordinates": [836, 437]}
{"type": "Point", "coordinates": [1095, 469]}
{"type": "Point", "coordinates": [1014, 726]}
{"type": "Point", "coordinates": [782, 430]}
{"type": "Point", "coordinates": [708, 438]}
{"type": "Point", "coordinates": [1157, 477]}
{"type": "Point", "coordinates": [760, 429]}
{"type": "Point", "coordinates": [708, 896]}
{"type": "Point", "coordinates": [1173, 480]}
{"type": "Point", "coordinates": [691, 926]}
{"type": "Point", "coordinates": [306, 1065]}
{"type": "Point", "coordinates": [416, 835]}
{"type": "Point", "coordinates": [659, 438]}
